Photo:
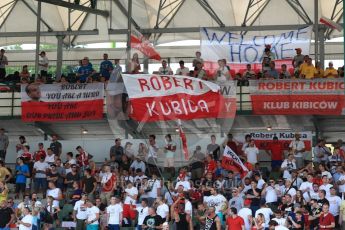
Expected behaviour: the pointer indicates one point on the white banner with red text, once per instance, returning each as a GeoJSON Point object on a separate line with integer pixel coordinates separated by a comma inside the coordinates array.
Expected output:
{"type": "Point", "coordinates": [62, 102]}
{"type": "Point", "coordinates": [298, 97]}
{"type": "Point", "coordinates": [161, 98]}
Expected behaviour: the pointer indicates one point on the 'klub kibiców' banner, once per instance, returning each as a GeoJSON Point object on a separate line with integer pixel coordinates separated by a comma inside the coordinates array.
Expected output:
{"type": "Point", "coordinates": [298, 97]}
{"type": "Point", "coordinates": [162, 98]}
{"type": "Point", "coordinates": [263, 139]}
{"type": "Point", "coordinates": [62, 102]}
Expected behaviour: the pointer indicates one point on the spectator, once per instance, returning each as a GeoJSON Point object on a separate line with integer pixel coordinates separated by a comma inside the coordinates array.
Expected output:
{"type": "Point", "coordinates": [114, 213]}
{"type": "Point", "coordinates": [24, 74]}
{"type": "Point", "coordinates": [108, 183]}
{"type": "Point", "coordinates": [50, 157]}
{"type": "Point", "coordinates": [3, 144]}
{"type": "Point", "coordinates": [330, 72]}
{"type": "Point", "coordinates": [142, 211]}
{"type": "Point", "coordinates": [165, 69]}
{"type": "Point", "coordinates": [6, 215]}
{"type": "Point", "coordinates": [237, 200]}
{"type": "Point", "coordinates": [170, 149]}
{"type": "Point", "coordinates": [106, 67]}
{"type": "Point", "coordinates": [327, 220]}
{"type": "Point", "coordinates": [248, 73]}
{"type": "Point", "coordinates": [85, 71]}
{"type": "Point", "coordinates": [222, 75]}
{"type": "Point", "coordinates": [83, 158]}
{"type": "Point", "coordinates": [272, 73]}
{"type": "Point", "coordinates": [5, 174]}
{"type": "Point", "coordinates": [267, 57]}
{"type": "Point", "coordinates": [252, 152]}
{"type": "Point", "coordinates": [3, 64]}
{"type": "Point", "coordinates": [319, 70]}
{"type": "Point", "coordinates": [56, 146]}
{"type": "Point", "coordinates": [284, 73]}
{"type": "Point", "coordinates": [152, 221]}
{"type": "Point", "coordinates": [199, 72]}
{"type": "Point", "coordinates": [117, 150]}
{"type": "Point", "coordinates": [308, 71]}
{"type": "Point", "coordinates": [89, 184]}
{"type": "Point", "coordinates": [212, 220]}
{"type": "Point", "coordinates": [79, 212]}
{"type": "Point", "coordinates": [182, 70]}
{"type": "Point", "coordinates": [152, 154]}
{"type": "Point", "coordinates": [40, 177]}
{"type": "Point", "coordinates": [92, 216]}
{"type": "Point", "coordinates": [25, 223]}
{"type": "Point", "coordinates": [162, 209]}
{"type": "Point", "coordinates": [43, 64]}
{"type": "Point", "coordinates": [298, 58]}
{"type": "Point", "coordinates": [134, 66]}
{"type": "Point", "coordinates": [321, 153]}
{"type": "Point", "coordinates": [276, 151]}
{"type": "Point", "coordinates": [22, 171]}
{"type": "Point", "coordinates": [117, 71]}
{"type": "Point", "coordinates": [246, 214]}
{"type": "Point", "coordinates": [40, 152]}
{"type": "Point", "coordinates": [198, 59]}
{"type": "Point", "coordinates": [297, 148]}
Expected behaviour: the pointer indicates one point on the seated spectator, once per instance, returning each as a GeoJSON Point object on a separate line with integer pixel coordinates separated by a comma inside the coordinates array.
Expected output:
{"type": "Point", "coordinates": [199, 72]}
{"type": "Point", "coordinates": [197, 59]}
{"type": "Point", "coordinates": [165, 69]}
{"type": "Point", "coordinates": [272, 73]}
{"type": "Point", "coordinates": [249, 73]}
{"type": "Point", "coordinates": [330, 72]}
{"type": "Point", "coordinates": [222, 75]}
{"type": "Point", "coordinates": [284, 73]}
{"type": "Point", "coordinates": [134, 65]}
{"type": "Point", "coordinates": [319, 70]}
{"type": "Point", "coordinates": [341, 71]}
{"type": "Point", "coordinates": [85, 71]}
{"type": "Point", "coordinates": [308, 71]}
{"type": "Point", "coordinates": [182, 70]}
{"type": "Point", "coordinates": [24, 73]}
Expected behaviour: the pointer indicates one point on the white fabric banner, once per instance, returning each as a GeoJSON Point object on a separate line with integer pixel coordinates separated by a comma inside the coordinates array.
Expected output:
{"type": "Point", "coordinates": [237, 48]}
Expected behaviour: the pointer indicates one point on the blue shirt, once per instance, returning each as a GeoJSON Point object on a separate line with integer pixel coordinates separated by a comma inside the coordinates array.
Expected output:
{"type": "Point", "coordinates": [84, 72]}
{"type": "Point", "coordinates": [21, 178]}
{"type": "Point", "coordinates": [105, 68]}
{"type": "Point", "coordinates": [272, 73]}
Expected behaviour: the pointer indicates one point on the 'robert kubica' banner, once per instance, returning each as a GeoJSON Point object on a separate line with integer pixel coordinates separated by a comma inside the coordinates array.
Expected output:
{"type": "Point", "coordinates": [61, 102]}
{"type": "Point", "coordinates": [298, 97]}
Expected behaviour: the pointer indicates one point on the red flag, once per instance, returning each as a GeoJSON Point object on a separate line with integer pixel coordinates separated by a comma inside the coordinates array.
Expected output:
{"type": "Point", "coordinates": [230, 159]}
{"type": "Point", "coordinates": [332, 24]}
{"type": "Point", "coordinates": [141, 43]}
{"type": "Point", "coordinates": [184, 144]}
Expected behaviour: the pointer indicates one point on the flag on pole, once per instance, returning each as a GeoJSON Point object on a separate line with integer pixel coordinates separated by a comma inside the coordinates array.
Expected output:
{"type": "Point", "coordinates": [231, 159]}
{"type": "Point", "coordinates": [184, 141]}
{"type": "Point", "coordinates": [332, 24]}
{"type": "Point", "coordinates": [141, 43]}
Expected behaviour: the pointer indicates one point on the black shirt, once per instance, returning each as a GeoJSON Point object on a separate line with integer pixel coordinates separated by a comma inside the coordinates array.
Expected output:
{"type": "Point", "coordinates": [89, 183]}
{"type": "Point", "coordinates": [56, 147]}
{"type": "Point", "coordinates": [256, 200]}
{"type": "Point", "coordinates": [5, 216]}
{"type": "Point", "coordinates": [152, 221]}
{"type": "Point", "coordinates": [182, 224]}
{"type": "Point", "coordinates": [71, 177]}
{"type": "Point", "coordinates": [322, 201]}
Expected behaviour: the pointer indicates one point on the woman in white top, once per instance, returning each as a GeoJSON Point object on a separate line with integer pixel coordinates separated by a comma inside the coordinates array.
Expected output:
{"type": "Point", "coordinates": [222, 75]}
{"type": "Point", "coordinates": [26, 222]}
{"type": "Point", "coordinates": [134, 64]}
{"type": "Point", "coordinates": [55, 193]}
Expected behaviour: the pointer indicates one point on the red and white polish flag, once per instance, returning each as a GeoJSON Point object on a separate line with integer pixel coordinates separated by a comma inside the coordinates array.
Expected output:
{"type": "Point", "coordinates": [332, 24]}
{"type": "Point", "coordinates": [231, 159]}
{"type": "Point", "coordinates": [141, 43]}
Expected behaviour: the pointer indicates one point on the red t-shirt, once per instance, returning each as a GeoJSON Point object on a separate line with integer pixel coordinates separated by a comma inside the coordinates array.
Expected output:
{"type": "Point", "coordinates": [276, 150]}
{"type": "Point", "coordinates": [326, 220]}
{"type": "Point", "coordinates": [234, 223]}
{"type": "Point", "coordinates": [211, 166]}
{"type": "Point", "coordinates": [232, 145]}
{"type": "Point", "coordinates": [39, 154]}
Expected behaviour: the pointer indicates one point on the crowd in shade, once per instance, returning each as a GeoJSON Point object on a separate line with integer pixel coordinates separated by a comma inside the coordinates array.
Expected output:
{"type": "Point", "coordinates": [134, 189]}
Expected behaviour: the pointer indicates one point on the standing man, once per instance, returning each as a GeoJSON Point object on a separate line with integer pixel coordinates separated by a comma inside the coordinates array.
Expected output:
{"type": "Point", "coordinates": [106, 67]}
{"type": "Point", "coordinates": [6, 215]}
{"type": "Point", "coordinates": [213, 148]}
{"type": "Point", "coordinates": [3, 63]}
{"type": "Point", "coordinates": [298, 58]}
{"type": "Point", "coordinates": [43, 64]}
{"type": "Point", "coordinates": [114, 214]}
{"type": "Point", "coordinates": [116, 73]}
{"type": "Point", "coordinates": [92, 213]}
{"type": "Point", "coordinates": [108, 183]}
{"type": "Point", "coordinates": [252, 153]}
{"type": "Point", "coordinates": [40, 175]}
{"type": "Point", "coordinates": [79, 212]}
{"type": "Point", "coordinates": [89, 184]}
{"type": "Point", "coordinates": [276, 151]}
{"type": "Point", "coordinates": [169, 149]}
{"type": "Point", "coordinates": [297, 148]}
{"type": "Point", "coordinates": [234, 222]}
{"type": "Point", "coordinates": [56, 146]}
{"type": "Point", "coordinates": [117, 151]}
{"type": "Point", "coordinates": [3, 144]}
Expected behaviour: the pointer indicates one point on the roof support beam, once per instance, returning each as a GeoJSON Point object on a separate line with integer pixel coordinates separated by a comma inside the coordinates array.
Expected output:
{"type": "Point", "coordinates": [35, 13]}
{"type": "Point", "coordinates": [9, 13]}
{"type": "Point", "coordinates": [49, 33]}
{"type": "Point", "coordinates": [73, 6]}
{"type": "Point", "coordinates": [298, 8]}
{"type": "Point", "coordinates": [210, 11]}
{"type": "Point", "coordinates": [253, 14]}
{"type": "Point", "coordinates": [80, 26]}
{"type": "Point", "coordinates": [337, 15]}
{"type": "Point", "coordinates": [125, 12]}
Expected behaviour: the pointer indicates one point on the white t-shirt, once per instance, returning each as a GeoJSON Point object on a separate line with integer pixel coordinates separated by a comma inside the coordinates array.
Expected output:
{"type": "Point", "coordinates": [188, 208]}
{"type": "Point", "coordinates": [80, 207]}
{"type": "Point", "coordinates": [138, 165]}
{"type": "Point", "coordinates": [50, 159]}
{"type": "Point", "coordinates": [280, 227]}
{"type": "Point", "coordinates": [163, 210]}
{"type": "Point", "coordinates": [166, 70]}
{"type": "Point", "coordinates": [43, 60]}
{"type": "Point", "coordinates": [342, 187]}
{"type": "Point", "coordinates": [271, 195]}
{"type": "Point", "coordinates": [291, 192]}
{"type": "Point", "coordinates": [280, 221]}
{"type": "Point", "coordinates": [334, 205]}
{"type": "Point", "coordinates": [55, 194]}
{"type": "Point", "coordinates": [184, 71]}
{"type": "Point", "coordinates": [326, 173]}
{"type": "Point", "coordinates": [306, 186]}
{"type": "Point", "coordinates": [267, 212]}
{"type": "Point", "coordinates": [244, 213]}
{"type": "Point", "coordinates": [142, 213]}
{"type": "Point", "coordinates": [290, 165]}
{"type": "Point", "coordinates": [130, 191]}
{"type": "Point", "coordinates": [327, 188]}
{"type": "Point", "coordinates": [252, 154]}
{"type": "Point", "coordinates": [156, 184]}
{"type": "Point", "coordinates": [218, 201]}
{"type": "Point", "coordinates": [71, 162]}
{"type": "Point", "coordinates": [27, 220]}
{"type": "Point", "coordinates": [261, 183]}
{"type": "Point", "coordinates": [297, 145]}
{"type": "Point", "coordinates": [41, 166]}
{"type": "Point", "coordinates": [91, 214]}
{"type": "Point", "coordinates": [185, 184]}
{"type": "Point", "coordinates": [114, 213]}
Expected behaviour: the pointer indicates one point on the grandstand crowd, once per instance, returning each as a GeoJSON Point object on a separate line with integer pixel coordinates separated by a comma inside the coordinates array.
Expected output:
{"type": "Point", "coordinates": [131, 190]}
{"type": "Point", "coordinates": [301, 67]}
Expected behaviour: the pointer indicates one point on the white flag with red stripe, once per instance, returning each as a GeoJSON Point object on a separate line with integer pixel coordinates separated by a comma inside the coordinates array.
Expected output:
{"type": "Point", "coordinates": [331, 24]}
{"type": "Point", "coordinates": [230, 158]}
{"type": "Point", "coordinates": [141, 43]}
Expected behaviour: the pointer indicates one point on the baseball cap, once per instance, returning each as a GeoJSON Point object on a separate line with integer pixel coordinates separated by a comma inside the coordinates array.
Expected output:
{"type": "Point", "coordinates": [298, 49]}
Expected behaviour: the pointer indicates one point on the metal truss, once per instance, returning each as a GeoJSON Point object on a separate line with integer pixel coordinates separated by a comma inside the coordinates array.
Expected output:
{"type": "Point", "coordinates": [170, 10]}
{"type": "Point", "coordinates": [73, 6]}
{"type": "Point", "coordinates": [35, 13]}
{"type": "Point", "coordinates": [7, 12]}
{"type": "Point", "coordinates": [253, 12]}
{"type": "Point", "coordinates": [298, 8]}
{"type": "Point", "coordinates": [210, 11]}
{"type": "Point", "coordinates": [125, 12]}
{"type": "Point", "coordinates": [337, 15]}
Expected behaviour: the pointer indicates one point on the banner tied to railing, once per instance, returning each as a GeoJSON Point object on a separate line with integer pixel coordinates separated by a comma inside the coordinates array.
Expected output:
{"type": "Point", "coordinates": [162, 98]}
{"type": "Point", "coordinates": [61, 102]}
{"type": "Point", "coordinates": [298, 97]}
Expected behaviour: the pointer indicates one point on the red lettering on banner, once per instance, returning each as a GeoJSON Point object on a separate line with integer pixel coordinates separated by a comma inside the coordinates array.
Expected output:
{"type": "Point", "coordinates": [326, 85]}
{"type": "Point", "coordinates": [281, 85]}
{"type": "Point", "coordinates": [166, 83]}
{"type": "Point", "coordinates": [157, 81]}
{"type": "Point", "coordinates": [188, 83]}
{"type": "Point", "coordinates": [142, 83]}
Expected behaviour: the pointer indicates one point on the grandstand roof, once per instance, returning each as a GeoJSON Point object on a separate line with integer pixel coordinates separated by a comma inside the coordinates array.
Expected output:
{"type": "Point", "coordinates": [20, 16]}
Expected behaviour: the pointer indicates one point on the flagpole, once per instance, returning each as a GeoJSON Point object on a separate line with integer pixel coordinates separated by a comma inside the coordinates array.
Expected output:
{"type": "Point", "coordinates": [129, 31]}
